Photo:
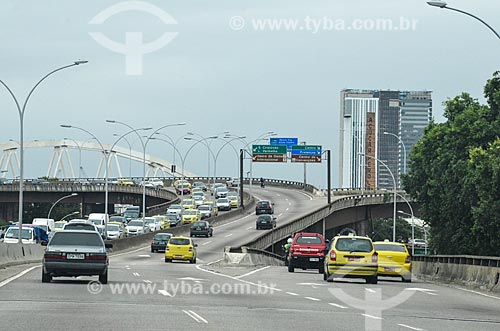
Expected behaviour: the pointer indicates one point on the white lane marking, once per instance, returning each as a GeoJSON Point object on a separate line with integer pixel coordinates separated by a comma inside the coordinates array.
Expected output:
{"type": "Point", "coordinates": [286, 199]}
{"type": "Point", "coordinates": [136, 274]}
{"type": "Point", "coordinates": [337, 305]}
{"type": "Point", "coordinates": [130, 252]}
{"type": "Point", "coordinates": [411, 327]}
{"type": "Point", "coordinates": [240, 280]}
{"type": "Point", "coordinates": [147, 281]}
{"type": "Point", "coordinates": [291, 293]}
{"type": "Point", "coordinates": [144, 255]}
{"type": "Point", "coordinates": [195, 316]}
{"type": "Point", "coordinates": [165, 293]}
{"type": "Point", "coordinates": [280, 215]}
{"type": "Point", "coordinates": [476, 292]}
{"type": "Point", "coordinates": [287, 209]}
{"type": "Point", "coordinates": [229, 235]}
{"type": "Point", "coordinates": [22, 273]}
{"type": "Point", "coordinates": [370, 290]}
{"type": "Point", "coordinates": [200, 260]}
{"type": "Point", "coordinates": [252, 272]}
{"type": "Point", "coordinates": [371, 316]}
{"type": "Point", "coordinates": [206, 243]}
{"type": "Point", "coordinates": [313, 299]}
{"type": "Point", "coordinates": [250, 228]}
{"type": "Point", "coordinates": [421, 290]}
{"type": "Point", "coordinates": [307, 195]}
{"type": "Point", "coordinates": [289, 203]}
{"type": "Point", "coordinates": [278, 195]}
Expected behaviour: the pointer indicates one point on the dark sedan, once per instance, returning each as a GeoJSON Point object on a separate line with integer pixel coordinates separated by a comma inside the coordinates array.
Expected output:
{"type": "Point", "coordinates": [159, 242]}
{"type": "Point", "coordinates": [265, 221]}
{"type": "Point", "coordinates": [76, 253]}
{"type": "Point", "coordinates": [264, 207]}
{"type": "Point", "coordinates": [201, 228]}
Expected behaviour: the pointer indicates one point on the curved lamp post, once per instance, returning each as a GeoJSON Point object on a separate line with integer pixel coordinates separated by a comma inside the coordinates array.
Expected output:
{"type": "Point", "coordinates": [402, 144]}
{"type": "Point", "coordinates": [144, 146]}
{"type": "Point", "coordinates": [395, 193]}
{"type": "Point", "coordinates": [21, 111]}
{"type": "Point", "coordinates": [57, 201]}
{"type": "Point", "coordinates": [444, 5]}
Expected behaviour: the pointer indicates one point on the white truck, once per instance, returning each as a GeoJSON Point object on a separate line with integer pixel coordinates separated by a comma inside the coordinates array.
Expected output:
{"type": "Point", "coordinates": [45, 223]}
{"type": "Point", "coordinates": [100, 220]}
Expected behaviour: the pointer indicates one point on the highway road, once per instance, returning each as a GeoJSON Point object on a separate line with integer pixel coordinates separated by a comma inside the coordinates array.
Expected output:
{"type": "Point", "coordinates": [145, 293]}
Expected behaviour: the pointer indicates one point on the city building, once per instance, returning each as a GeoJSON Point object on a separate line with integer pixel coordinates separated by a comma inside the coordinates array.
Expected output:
{"type": "Point", "coordinates": [379, 125]}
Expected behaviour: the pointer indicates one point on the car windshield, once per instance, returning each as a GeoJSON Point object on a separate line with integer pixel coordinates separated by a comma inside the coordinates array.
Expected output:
{"type": "Point", "coordinates": [354, 245]}
{"type": "Point", "coordinates": [175, 207]}
{"type": "Point", "coordinates": [113, 227]}
{"type": "Point", "coordinates": [179, 241]}
{"type": "Point", "coordinates": [76, 239]}
{"type": "Point", "coordinates": [190, 212]}
{"type": "Point", "coordinates": [162, 236]}
{"type": "Point", "coordinates": [195, 224]}
{"type": "Point", "coordinates": [58, 225]}
{"type": "Point", "coordinates": [149, 220]}
{"type": "Point", "coordinates": [390, 248]}
{"type": "Point", "coordinates": [187, 202]}
{"type": "Point", "coordinates": [14, 233]}
{"type": "Point", "coordinates": [116, 219]}
{"type": "Point", "coordinates": [172, 217]}
{"type": "Point", "coordinates": [222, 201]}
{"type": "Point", "coordinates": [263, 203]}
{"type": "Point", "coordinates": [204, 208]}
{"type": "Point", "coordinates": [135, 223]}
{"type": "Point", "coordinates": [81, 226]}
{"type": "Point", "coordinates": [308, 240]}
{"type": "Point", "coordinates": [264, 217]}
{"type": "Point", "coordinates": [96, 221]}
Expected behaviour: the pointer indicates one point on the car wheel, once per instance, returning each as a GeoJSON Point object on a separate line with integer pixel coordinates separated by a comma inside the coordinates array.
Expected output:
{"type": "Point", "coordinates": [167, 260]}
{"type": "Point", "coordinates": [291, 268]}
{"type": "Point", "coordinates": [191, 235]}
{"type": "Point", "coordinates": [46, 278]}
{"type": "Point", "coordinates": [406, 279]}
{"type": "Point", "coordinates": [103, 279]}
{"type": "Point", "coordinates": [152, 250]}
{"type": "Point", "coordinates": [372, 280]}
{"type": "Point", "coordinates": [256, 227]}
{"type": "Point", "coordinates": [321, 269]}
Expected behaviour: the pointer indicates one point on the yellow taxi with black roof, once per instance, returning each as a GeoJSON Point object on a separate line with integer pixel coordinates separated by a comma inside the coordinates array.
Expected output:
{"type": "Point", "coordinates": [351, 256]}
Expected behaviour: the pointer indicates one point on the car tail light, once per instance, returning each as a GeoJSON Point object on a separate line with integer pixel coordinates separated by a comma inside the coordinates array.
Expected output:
{"type": "Point", "coordinates": [375, 257]}
{"type": "Point", "coordinates": [96, 257]}
{"type": "Point", "coordinates": [152, 242]}
{"type": "Point", "coordinates": [190, 248]}
{"type": "Point", "coordinates": [166, 248]}
{"type": "Point", "coordinates": [408, 259]}
{"type": "Point", "coordinates": [333, 255]}
{"type": "Point", "coordinates": [54, 256]}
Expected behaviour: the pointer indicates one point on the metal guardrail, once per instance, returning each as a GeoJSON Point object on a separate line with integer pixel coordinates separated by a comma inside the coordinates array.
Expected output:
{"type": "Point", "coordinates": [484, 261]}
{"type": "Point", "coordinates": [299, 224]}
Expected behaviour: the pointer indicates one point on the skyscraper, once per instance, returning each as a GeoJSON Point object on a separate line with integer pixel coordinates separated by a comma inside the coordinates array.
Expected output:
{"type": "Point", "coordinates": [373, 124]}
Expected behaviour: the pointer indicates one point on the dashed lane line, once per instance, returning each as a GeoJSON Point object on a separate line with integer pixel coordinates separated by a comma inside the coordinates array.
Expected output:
{"type": "Point", "coordinates": [252, 272]}
{"type": "Point", "coordinates": [312, 299]}
{"type": "Point", "coordinates": [195, 316]}
{"type": "Point", "coordinates": [337, 305]}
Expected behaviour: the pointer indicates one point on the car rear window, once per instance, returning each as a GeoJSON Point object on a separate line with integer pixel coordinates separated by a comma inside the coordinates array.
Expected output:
{"type": "Point", "coordinates": [309, 240]}
{"type": "Point", "coordinates": [389, 248]}
{"type": "Point", "coordinates": [354, 245]}
{"type": "Point", "coordinates": [162, 236]}
{"type": "Point", "coordinates": [76, 239]}
{"type": "Point", "coordinates": [264, 217]}
{"type": "Point", "coordinates": [179, 241]}
{"type": "Point", "coordinates": [199, 224]}
{"type": "Point", "coordinates": [87, 227]}
{"type": "Point", "coordinates": [135, 223]}
{"type": "Point", "coordinates": [263, 204]}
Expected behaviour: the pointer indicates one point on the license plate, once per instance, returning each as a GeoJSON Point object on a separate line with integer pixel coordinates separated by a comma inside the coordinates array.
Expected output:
{"type": "Point", "coordinates": [179, 256]}
{"type": "Point", "coordinates": [353, 259]}
{"type": "Point", "coordinates": [72, 256]}
{"type": "Point", "coordinates": [314, 259]}
{"type": "Point", "coordinates": [198, 229]}
{"type": "Point", "coordinates": [389, 269]}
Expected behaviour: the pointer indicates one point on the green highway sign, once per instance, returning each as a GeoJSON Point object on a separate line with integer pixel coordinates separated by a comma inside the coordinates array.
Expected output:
{"type": "Point", "coordinates": [269, 149]}
{"type": "Point", "coordinates": [306, 150]}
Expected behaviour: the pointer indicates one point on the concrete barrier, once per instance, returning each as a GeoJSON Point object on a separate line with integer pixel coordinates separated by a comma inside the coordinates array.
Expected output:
{"type": "Point", "coordinates": [471, 271]}
{"type": "Point", "coordinates": [12, 254]}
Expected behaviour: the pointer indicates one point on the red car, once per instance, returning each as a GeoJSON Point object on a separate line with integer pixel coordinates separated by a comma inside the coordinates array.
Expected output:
{"type": "Point", "coordinates": [307, 252]}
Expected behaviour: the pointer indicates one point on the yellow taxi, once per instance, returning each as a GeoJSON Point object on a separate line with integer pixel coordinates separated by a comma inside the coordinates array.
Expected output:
{"type": "Point", "coordinates": [190, 216]}
{"type": "Point", "coordinates": [181, 181]}
{"type": "Point", "coordinates": [188, 203]}
{"type": "Point", "coordinates": [394, 260]}
{"type": "Point", "coordinates": [351, 257]}
{"type": "Point", "coordinates": [233, 201]}
{"type": "Point", "coordinates": [214, 206]}
{"type": "Point", "coordinates": [196, 189]}
{"type": "Point", "coordinates": [125, 181]}
{"type": "Point", "coordinates": [164, 222]}
{"type": "Point", "coordinates": [180, 248]}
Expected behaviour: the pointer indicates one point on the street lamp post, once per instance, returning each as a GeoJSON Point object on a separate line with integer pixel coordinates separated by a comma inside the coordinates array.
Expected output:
{"type": "Point", "coordinates": [442, 4]}
{"type": "Point", "coordinates": [402, 144]}
{"type": "Point", "coordinates": [57, 201]}
{"type": "Point", "coordinates": [79, 156]}
{"type": "Point", "coordinates": [173, 144]}
{"type": "Point", "coordinates": [412, 224]}
{"type": "Point", "coordinates": [21, 111]}
{"type": "Point", "coordinates": [262, 136]}
{"type": "Point", "coordinates": [395, 193]}
{"type": "Point", "coordinates": [144, 146]}
{"type": "Point", "coordinates": [205, 142]}
{"type": "Point", "coordinates": [129, 154]}
{"type": "Point", "coordinates": [70, 214]}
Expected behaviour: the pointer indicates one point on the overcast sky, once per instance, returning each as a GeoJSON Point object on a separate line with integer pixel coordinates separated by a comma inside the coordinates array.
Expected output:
{"type": "Point", "coordinates": [221, 73]}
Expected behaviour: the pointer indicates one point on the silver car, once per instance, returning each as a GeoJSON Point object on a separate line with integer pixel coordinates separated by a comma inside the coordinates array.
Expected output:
{"type": "Point", "coordinates": [75, 253]}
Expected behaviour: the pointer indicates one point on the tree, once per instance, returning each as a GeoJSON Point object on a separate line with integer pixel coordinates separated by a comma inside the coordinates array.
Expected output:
{"type": "Point", "coordinates": [446, 166]}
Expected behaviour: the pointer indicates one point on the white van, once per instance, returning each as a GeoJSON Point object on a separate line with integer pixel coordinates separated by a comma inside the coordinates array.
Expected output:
{"type": "Point", "coordinates": [46, 223]}
{"type": "Point", "coordinates": [99, 220]}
